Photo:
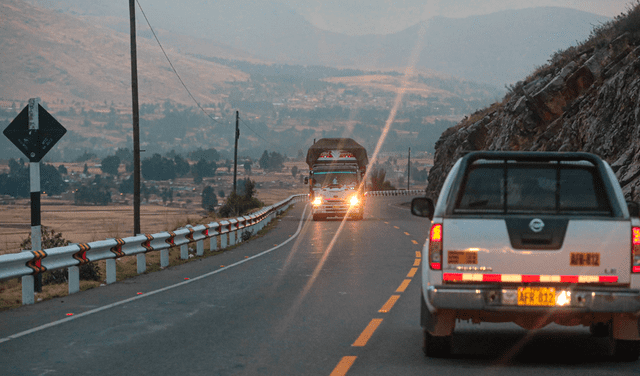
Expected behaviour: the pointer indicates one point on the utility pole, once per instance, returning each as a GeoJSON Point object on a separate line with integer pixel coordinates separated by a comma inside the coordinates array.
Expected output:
{"type": "Point", "coordinates": [409, 169]}
{"type": "Point", "coordinates": [235, 152]}
{"type": "Point", "coordinates": [136, 120]}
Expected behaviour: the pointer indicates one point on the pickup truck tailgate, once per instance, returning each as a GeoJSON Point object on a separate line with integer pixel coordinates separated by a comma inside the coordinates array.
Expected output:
{"type": "Point", "coordinates": [563, 251]}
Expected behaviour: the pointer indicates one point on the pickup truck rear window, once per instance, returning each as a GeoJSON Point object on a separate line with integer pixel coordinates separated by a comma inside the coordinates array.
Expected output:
{"type": "Point", "coordinates": [533, 187]}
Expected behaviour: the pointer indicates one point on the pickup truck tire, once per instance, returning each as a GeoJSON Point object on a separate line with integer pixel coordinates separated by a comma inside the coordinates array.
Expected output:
{"type": "Point", "coordinates": [626, 351]}
{"type": "Point", "coordinates": [435, 347]}
{"type": "Point", "coordinates": [600, 329]}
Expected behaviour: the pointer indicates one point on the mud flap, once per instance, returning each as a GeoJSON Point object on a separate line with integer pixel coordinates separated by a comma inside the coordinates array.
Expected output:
{"type": "Point", "coordinates": [440, 324]}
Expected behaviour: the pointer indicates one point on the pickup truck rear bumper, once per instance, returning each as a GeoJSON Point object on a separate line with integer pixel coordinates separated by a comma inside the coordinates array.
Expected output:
{"type": "Point", "coordinates": [502, 298]}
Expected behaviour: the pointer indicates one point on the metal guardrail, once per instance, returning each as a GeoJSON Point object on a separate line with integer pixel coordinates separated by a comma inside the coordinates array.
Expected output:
{"type": "Point", "coordinates": [27, 264]}
{"type": "Point", "coordinates": [399, 192]}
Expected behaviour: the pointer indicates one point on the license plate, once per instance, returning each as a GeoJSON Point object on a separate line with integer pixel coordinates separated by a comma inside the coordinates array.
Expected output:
{"type": "Point", "coordinates": [536, 296]}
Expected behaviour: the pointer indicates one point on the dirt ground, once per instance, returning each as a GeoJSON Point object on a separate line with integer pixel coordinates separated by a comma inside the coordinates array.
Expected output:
{"type": "Point", "coordinates": [82, 224]}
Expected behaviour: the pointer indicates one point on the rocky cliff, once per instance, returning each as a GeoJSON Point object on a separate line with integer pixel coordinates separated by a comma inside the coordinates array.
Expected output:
{"type": "Point", "coordinates": [586, 99]}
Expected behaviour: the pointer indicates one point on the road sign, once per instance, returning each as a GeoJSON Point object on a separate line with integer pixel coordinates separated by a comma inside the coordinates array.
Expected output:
{"type": "Point", "coordinates": [34, 143]}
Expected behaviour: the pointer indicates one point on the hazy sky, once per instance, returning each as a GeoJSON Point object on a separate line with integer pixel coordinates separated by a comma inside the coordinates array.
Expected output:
{"type": "Point", "coordinates": [386, 16]}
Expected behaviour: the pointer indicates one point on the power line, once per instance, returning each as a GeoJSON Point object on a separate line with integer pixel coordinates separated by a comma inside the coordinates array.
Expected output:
{"type": "Point", "coordinates": [173, 68]}
{"type": "Point", "coordinates": [257, 134]}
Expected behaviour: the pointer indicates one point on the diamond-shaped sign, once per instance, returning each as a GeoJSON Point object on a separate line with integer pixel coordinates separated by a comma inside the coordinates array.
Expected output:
{"type": "Point", "coordinates": [34, 143]}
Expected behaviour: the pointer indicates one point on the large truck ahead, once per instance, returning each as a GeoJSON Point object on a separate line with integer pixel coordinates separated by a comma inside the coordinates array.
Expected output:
{"type": "Point", "coordinates": [337, 168]}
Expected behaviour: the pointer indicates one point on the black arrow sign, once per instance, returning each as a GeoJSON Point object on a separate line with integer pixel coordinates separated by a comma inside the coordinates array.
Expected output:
{"type": "Point", "coordinates": [34, 143]}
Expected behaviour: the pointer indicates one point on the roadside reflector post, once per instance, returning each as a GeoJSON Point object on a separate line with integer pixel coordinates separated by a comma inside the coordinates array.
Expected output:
{"type": "Point", "coordinates": [141, 262]}
{"type": "Point", "coordinates": [111, 271]}
{"type": "Point", "coordinates": [74, 279]}
{"type": "Point", "coordinates": [200, 247]}
{"type": "Point", "coordinates": [164, 258]}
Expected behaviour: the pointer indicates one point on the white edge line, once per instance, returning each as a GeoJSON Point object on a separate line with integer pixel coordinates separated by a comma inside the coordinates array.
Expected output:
{"type": "Point", "coordinates": [96, 310]}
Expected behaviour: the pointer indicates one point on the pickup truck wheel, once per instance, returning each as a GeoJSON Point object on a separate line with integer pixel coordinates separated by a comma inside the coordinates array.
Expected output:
{"type": "Point", "coordinates": [600, 329]}
{"type": "Point", "coordinates": [626, 351]}
{"type": "Point", "coordinates": [436, 347]}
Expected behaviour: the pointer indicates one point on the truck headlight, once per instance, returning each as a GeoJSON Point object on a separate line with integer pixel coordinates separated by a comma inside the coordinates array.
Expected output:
{"type": "Point", "coordinates": [354, 200]}
{"type": "Point", "coordinates": [317, 201]}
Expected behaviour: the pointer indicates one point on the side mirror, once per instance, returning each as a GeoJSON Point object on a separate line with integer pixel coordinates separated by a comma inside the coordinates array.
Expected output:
{"type": "Point", "coordinates": [634, 209]}
{"type": "Point", "coordinates": [422, 207]}
{"type": "Point", "coordinates": [306, 180]}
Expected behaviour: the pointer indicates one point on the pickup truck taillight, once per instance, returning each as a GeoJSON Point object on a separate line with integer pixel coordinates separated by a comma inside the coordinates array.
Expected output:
{"type": "Point", "coordinates": [435, 246]}
{"type": "Point", "coordinates": [635, 249]}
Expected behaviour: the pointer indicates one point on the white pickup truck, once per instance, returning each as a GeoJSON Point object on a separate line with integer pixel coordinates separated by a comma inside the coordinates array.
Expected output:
{"type": "Point", "coordinates": [531, 238]}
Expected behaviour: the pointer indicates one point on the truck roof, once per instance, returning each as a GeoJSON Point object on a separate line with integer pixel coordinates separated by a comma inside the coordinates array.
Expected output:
{"type": "Point", "coordinates": [345, 144]}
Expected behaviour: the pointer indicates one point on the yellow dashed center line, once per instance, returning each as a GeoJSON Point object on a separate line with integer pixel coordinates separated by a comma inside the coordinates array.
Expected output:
{"type": "Point", "coordinates": [347, 361]}
{"type": "Point", "coordinates": [389, 304]}
{"type": "Point", "coordinates": [367, 333]}
{"type": "Point", "coordinates": [403, 285]}
{"type": "Point", "coordinates": [343, 367]}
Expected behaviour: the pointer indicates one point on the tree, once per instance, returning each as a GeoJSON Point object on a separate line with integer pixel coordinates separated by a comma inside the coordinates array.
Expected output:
{"type": "Point", "coordinates": [221, 193]}
{"type": "Point", "coordinates": [209, 199]}
{"type": "Point", "coordinates": [92, 194]}
{"type": "Point", "coordinates": [51, 180]}
{"type": "Point", "coordinates": [241, 203]}
{"type": "Point", "coordinates": [62, 170]}
{"type": "Point", "coordinates": [86, 169]}
{"type": "Point", "coordinates": [110, 164]}
{"type": "Point", "coordinates": [271, 161]}
{"type": "Point", "coordinates": [247, 167]}
{"type": "Point", "coordinates": [294, 171]}
{"type": "Point", "coordinates": [377, 179]}
{"type": "Point", "coordinates": [182, 166]}
{"type": "Point", "coordinates": [158, 168]}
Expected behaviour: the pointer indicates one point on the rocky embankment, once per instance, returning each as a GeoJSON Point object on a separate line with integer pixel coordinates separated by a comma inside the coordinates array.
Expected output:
{"type": "Point", "coordinates": [586, 99]}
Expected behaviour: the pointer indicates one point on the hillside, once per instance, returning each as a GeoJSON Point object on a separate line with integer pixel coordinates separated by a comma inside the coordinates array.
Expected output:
{"type": "Point", "coordinates": [497, 48]}
{"type": "Point", "coordinates": [58, 57]}
{"type": "Point", "coordinates": [585, 99]}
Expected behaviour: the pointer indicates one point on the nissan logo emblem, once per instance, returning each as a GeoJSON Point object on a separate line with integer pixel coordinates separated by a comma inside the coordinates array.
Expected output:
{"type": "Point", "coordinates": [536, 225]}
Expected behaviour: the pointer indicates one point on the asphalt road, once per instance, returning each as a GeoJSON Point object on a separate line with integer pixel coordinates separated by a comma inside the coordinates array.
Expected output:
{"type": "Point", "coordinates": [309, 298]}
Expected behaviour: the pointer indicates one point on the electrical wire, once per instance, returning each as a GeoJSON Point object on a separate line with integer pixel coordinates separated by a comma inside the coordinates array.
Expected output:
{"type": "Point", "coordinates": [173, 68]}
{"type": "Point", "coordinates": [257, 134]}
{"type": "Point", "coordinates": [187, 89]}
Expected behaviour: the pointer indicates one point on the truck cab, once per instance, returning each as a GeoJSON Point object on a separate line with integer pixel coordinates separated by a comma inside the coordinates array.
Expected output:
{"type": "Point", "coordinates": [336, 178]}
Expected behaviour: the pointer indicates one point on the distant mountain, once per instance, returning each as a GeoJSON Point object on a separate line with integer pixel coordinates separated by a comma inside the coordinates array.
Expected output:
{"type": "Point", "coordinates": [497, 48]}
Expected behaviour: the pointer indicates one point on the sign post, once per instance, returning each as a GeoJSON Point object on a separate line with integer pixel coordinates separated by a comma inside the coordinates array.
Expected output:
{"type": "Point", "coordinates": [34, 131]}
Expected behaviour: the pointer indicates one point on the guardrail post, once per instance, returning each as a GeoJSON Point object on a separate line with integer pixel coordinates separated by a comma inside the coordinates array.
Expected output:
{"type": "Point", "coordinates": [184, 252]}
{"type": "Point", "coordinates": [74, 279]}
{"type": "Point", "coordinates": [213, 243]}
{"type": "Point", "coordinates": [200, 247]}
{"type": "Point", "coordinates": [111, 271]}
{"type": "Point", "coordinates": [164, 258]}
{"type": "Point", "coordinates": [232, 238]}
{"type": "Point", "coordinates": [142, 262]}
{"type": "Point", "coordinates": [28, 291]}
{"type": "Point", "coordinates": [223, 240]}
